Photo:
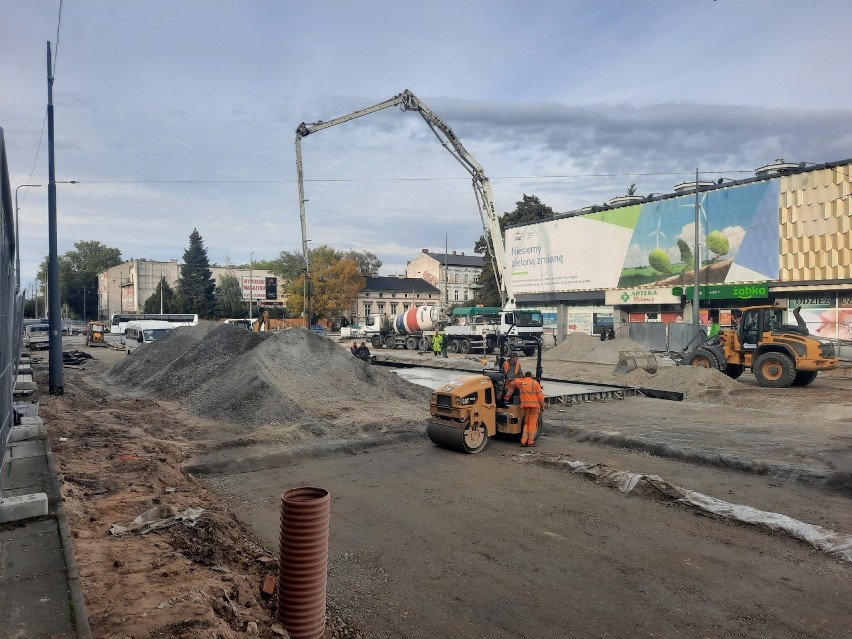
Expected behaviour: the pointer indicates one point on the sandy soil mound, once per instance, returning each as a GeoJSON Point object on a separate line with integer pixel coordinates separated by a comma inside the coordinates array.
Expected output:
{"type": "Point", "coordinates": [579, 347]}
{"type": "Point", "coordinates": [693, 381]}
{"type": "Point", "coordinates": [291, 378]}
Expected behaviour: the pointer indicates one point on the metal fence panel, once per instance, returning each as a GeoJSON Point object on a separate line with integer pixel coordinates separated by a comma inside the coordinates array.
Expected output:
{"type": "Point", "coordinates": [11, 306]}
{"type": "Point", "coordinates": [680, 335]}
{"type": "Point", "coordinates": [651, 335]}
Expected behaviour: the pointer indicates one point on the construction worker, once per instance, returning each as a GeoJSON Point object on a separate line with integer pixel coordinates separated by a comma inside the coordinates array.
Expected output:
{"type": "Point", "coordinates": [511, 368]}
{"type": "Point", "coordinates": [437, 340]}
{"type": "Point", "coordinates": [444, 345]}
{"type": "Point", "coordinates": [532, 401]}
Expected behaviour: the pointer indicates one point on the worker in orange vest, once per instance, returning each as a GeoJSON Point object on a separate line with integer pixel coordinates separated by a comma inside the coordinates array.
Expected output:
{"type": "Point", "coordinates": [532, 401]}
{"type": "Point", "coordinates": [511, 368]}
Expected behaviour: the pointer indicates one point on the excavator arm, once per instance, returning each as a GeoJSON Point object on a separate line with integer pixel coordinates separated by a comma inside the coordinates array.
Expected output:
{"type": "Point", "coordinates": [407, 101]}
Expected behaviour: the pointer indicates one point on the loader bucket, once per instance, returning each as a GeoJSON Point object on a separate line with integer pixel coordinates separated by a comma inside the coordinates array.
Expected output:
{"type": "Point", "coordinates": [631, 360]}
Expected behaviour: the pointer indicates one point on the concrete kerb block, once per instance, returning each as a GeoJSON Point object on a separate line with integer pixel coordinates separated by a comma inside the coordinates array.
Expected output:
{"type": "Point", "coordinates": [26, 431]}
{"type": "Point", "coordinates": [23, 507]}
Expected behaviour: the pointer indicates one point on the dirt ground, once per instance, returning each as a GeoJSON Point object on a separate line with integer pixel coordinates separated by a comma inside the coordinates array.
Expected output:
{"type": "Point", "coordinates": [430, 543]}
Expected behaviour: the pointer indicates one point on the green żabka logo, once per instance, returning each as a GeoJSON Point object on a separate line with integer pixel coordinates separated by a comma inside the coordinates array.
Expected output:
{"type": "Point", "coordinates": [747, 292]}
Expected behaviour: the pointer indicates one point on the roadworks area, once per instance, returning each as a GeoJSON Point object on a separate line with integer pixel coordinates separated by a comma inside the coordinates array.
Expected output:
{"type": "Point", "coordinates": [219, 419]}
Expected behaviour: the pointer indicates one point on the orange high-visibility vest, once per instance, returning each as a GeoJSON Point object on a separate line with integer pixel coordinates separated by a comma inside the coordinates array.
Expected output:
{"type": "Point", "coordinates": [507, 367]}
{"type": "Point", "coordinates": [531, 394]}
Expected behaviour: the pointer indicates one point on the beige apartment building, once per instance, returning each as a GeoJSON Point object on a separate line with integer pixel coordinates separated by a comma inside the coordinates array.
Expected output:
{"type": "Point", "coordinates": [124, 288]}
{"type": "Point", "coordinates": [455, 275]}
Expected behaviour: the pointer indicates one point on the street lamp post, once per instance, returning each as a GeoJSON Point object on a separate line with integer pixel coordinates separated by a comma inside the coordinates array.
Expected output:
{"type": "Point", "coordinates": [18, 236]}
{"type": "Point", "coordinates": [251, 282]}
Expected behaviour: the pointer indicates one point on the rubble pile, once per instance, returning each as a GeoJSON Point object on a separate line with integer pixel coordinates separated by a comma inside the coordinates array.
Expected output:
{"type": "Point", "coordinates": [291, 378]}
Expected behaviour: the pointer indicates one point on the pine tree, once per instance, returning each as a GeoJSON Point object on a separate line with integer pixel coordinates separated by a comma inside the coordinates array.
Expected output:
{"type": "Point", "coordinates": [196, 287]}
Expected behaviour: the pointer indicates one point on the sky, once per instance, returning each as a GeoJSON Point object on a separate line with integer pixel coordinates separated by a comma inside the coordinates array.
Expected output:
{"type": "Point", "coordinates": [180, 114]}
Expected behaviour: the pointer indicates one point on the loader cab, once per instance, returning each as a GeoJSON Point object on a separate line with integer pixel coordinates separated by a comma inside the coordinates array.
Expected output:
{"type": "Point", "coordinates": [759, 320]}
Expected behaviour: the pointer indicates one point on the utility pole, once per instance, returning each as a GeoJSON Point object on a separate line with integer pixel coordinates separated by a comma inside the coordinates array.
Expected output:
{"type": "Point", "coordinates": [697, 259]}
{"type": "Point", "coordinates": [56, 381]}
{"type": "Point", "coordinates": [18, 236]}
{"type": "Point", "coordinates": [446, 272]}
{"type": "Point", "coordinates": [162, 286]}
{"type": "Point", "coordinates": [251, 283]}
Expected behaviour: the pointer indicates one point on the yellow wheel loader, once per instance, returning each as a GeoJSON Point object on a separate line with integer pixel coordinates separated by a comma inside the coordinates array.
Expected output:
{"type": "Point", "coordinates": [469, 410]}
{"type": "Point", "coordinates": [779, 355]}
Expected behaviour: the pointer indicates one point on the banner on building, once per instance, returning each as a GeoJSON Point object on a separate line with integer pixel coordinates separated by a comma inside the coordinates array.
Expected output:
{"type": "Point", "coordinates": [651, 244]}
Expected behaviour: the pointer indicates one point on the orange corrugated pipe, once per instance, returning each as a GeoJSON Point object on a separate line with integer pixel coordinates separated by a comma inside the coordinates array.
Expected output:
{"type": "Point", "coordinates": [303, 561]}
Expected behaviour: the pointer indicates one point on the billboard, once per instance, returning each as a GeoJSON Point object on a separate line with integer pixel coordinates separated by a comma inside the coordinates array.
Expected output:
{"type": "Point", "coordinates": [259, 287]}
{"type": "Point", "coordinates": [651, 244]}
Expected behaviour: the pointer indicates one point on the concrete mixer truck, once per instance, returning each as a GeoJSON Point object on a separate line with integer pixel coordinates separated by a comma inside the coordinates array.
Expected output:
{"type": "Point", "coordinates": [412, 329]}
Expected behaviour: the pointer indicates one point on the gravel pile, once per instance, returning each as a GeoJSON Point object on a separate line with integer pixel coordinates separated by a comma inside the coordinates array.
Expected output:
{"type": "Point", "coordinates": [291, 378]}
{"type": "Point", "coordinates": [579, 347]}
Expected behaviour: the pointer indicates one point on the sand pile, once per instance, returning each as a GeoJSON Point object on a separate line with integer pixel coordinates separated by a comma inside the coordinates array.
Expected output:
{"type": "Point", "coordinates": [579, 347]}
{"type": "Point", "coordinates": [692, 381]}
{"type": "Point", "coordinates": [291, 378]}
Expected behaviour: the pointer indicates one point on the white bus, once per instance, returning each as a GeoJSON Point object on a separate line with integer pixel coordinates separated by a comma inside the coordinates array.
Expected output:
{"type": "Point", "coordinates": [144, 332]}
{"type": "Point", "coordinates": [119, 321]}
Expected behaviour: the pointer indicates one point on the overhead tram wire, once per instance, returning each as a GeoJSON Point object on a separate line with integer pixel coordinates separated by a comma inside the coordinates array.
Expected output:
{"type": "Point", "coordinates": [44, 120]}
{"type": "Point", "coordinates": [411, 179]}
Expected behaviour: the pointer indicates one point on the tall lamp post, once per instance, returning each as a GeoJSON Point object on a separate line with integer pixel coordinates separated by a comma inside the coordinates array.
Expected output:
{"type": "Point", "coordinates": [251, 282]}
{"type": "Point", "coordinates": [18, 236]}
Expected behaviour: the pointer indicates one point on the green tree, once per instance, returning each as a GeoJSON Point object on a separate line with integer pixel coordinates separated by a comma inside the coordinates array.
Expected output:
{"type": "Point", "coordinates": [169, 301]}
{"type": "Point", "coordinates": [368, 263]}
{"type": "Point", "coordinates": [229, 296]}
{"type": "Point", "coordinates": [196, 286]}
{"type": "Point", "coordinates": [290, 265]}
{"type": "Point", "coordinates": [527, 210]}
{"type": "Point", "coordinates": [78, 275]}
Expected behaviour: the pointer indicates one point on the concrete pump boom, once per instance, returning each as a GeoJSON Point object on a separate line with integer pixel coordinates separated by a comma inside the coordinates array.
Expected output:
{"type": "Point", "coordinates": [407, 101]}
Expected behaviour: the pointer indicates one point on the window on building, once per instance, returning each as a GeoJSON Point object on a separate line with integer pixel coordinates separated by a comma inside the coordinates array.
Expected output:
{"type": "Point", "coordinates": [381, 306]}
{"type": "Point", "coordinates": [466, 275]}
{"type": "Point", "coordinates": [366, 295]}
{"type": "Point", "coordinates": [455, 278]}
{"type": "Point", "coordinates": [466, 294]}
{"type": "Point", "coordinates": [456, 293]}
{"type": "Point", "coordinates": [476, 279]}
{"type": "Point", "coordinates": [393, 309]}
{"type": "Point", "coordinates": [368, 309]}
{"type": "Point", "coordinates": [404, 307]}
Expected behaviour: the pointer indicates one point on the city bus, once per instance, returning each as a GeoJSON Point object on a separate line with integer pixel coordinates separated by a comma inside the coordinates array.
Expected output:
{"type": "Point", "coordinates": [119, 321]}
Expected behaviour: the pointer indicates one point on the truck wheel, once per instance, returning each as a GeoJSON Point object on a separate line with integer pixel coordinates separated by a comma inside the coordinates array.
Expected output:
{"type": "Point", "coordinates": [376, 341]}
{"type": "Point", "coordinates": [465, 346]}
{"type": "Point", "coordinates": [734, 370]}
{"type": "Point", "coordinates": [775, 370]}
{"type": "Point", "coordinates": [803, 378]}
{"type": "Point", "coordinates": [529, 351]}
{"type": "Point", "coordinates": [454, 346]}
{"type": "Point", "coordinates": [411, 343]}
{"type": "Point", "coordinates": [390, 342]}
{"type": "Point", "coordinates": [505, 349]}
{"type": "Point", "coordinates": [424, 344]}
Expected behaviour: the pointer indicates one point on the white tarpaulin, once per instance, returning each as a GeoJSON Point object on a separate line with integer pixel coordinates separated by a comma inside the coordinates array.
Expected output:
{"type": "Point", "coordinates": [834, 543]}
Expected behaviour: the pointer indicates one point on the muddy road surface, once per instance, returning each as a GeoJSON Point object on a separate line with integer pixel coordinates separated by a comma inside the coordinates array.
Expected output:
{"type": "Point", "coordinates": [431, 543]}
{"type": "Point", "coordinates": [427, 542]}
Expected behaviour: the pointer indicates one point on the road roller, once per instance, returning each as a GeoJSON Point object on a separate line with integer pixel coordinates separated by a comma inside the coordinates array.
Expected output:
{"type": "Point", "coordinates": [467, 411]}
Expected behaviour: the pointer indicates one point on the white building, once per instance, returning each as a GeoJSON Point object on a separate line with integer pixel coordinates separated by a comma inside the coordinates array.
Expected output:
{"type": "Point", "coordinates": [124, 288]}
{"type": "Point", "coordinates": [392, 295]}
{"type": "Point", "coordinates": [455, 275]}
